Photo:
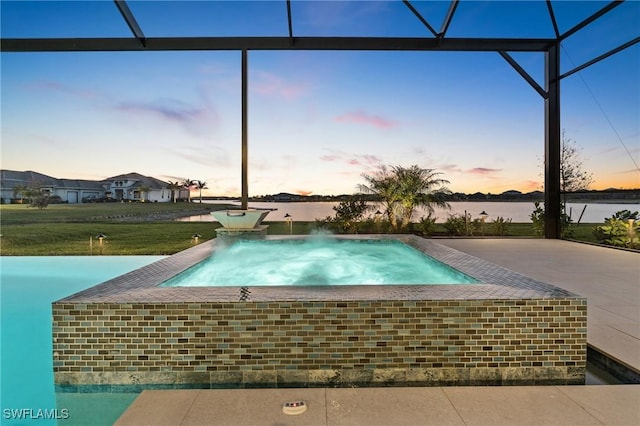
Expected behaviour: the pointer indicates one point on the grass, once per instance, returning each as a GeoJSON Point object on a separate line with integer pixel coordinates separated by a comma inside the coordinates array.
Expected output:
{"type": "Point", "coordinates": [142, 229]}
{"type": "Point", "coordinates": [16, 214]}
{"type": "Point", "coordinates": [73, 239]}
{"type": "Point", "coordinates": [131, 228]}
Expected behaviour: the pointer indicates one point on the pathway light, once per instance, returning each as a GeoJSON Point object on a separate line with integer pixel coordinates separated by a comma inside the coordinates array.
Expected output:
{"type": "Point", "coordinates": [288, 218]}
{"type": "Point", "coordinates": [483, 217]}
{"type": "Point", "coordinates": [101, 237]}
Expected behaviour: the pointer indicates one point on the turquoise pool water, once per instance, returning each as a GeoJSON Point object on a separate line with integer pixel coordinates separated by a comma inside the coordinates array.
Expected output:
{"type": "Point", "coordinates": [318, 261]}
{"type": "Point", "coordinates": [28, 285]}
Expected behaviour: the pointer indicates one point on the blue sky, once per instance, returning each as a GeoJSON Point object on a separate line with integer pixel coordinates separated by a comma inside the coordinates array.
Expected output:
{"type": "Point", "coordinates": [317, 120]}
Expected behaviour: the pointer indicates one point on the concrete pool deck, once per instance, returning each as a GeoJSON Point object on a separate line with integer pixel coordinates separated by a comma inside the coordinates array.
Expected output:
{"type": "Point", "coordinates": [464, 406]}
{"type": "Point", "coordinates": [610, 279]}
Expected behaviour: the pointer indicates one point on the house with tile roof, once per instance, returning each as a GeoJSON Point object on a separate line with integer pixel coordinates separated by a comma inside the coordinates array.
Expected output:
{"type": "Point", "coordinates": [125, 187]}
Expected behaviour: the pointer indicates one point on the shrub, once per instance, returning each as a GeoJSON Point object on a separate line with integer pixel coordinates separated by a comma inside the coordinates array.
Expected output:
{"type": "Point", "coordinates": [623, 215]}
{"type": "Point", "coordinates": [41, 201]}
{"type": "Point", "coordinates": [620, 230]}
{"type": "Point", "coordinates": [457, 224]}
{"type": "Point", "coordinates": [348, 215]}
{"type": "Point", "coordinates": [501, 225]}
{"type": "Point", "coordinates": [427, 225]}
{"type": "Point", "coordinates": [537, 217]}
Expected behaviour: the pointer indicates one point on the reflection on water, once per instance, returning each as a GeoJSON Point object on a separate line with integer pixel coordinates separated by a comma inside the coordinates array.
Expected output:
{"type": "Point", "coordinates": [519, 212]}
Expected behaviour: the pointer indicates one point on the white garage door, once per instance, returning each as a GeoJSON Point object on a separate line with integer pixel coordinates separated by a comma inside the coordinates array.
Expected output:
{"type": "Point", "coordinates": [72, 197]}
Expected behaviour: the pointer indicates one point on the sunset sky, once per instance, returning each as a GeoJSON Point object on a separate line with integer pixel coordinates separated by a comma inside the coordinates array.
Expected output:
{"type": "Point", "coordinates": [317, 120]}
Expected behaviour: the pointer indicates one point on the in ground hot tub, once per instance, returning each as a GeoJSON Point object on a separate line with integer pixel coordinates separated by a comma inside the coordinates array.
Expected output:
{"type": "Point", "coordinates": [506, 328]}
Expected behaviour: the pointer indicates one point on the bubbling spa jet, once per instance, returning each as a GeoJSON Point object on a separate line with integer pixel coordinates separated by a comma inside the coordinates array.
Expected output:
{"type": "Point", "coordinates": [273, 311]}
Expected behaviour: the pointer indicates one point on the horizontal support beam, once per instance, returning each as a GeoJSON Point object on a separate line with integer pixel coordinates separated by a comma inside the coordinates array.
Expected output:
{"type": "Point", "coordinates": [273, 43]}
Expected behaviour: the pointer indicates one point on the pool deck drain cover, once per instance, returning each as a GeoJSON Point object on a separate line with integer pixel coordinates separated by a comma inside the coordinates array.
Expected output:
{"type": "Point", "coordinates": [293, 408]}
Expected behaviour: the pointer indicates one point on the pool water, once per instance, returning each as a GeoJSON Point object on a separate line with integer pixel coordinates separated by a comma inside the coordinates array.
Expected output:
{"type": "Point", "coordinates": [28, 286]}
{"type": "Point", "coordinates": [318, 261]}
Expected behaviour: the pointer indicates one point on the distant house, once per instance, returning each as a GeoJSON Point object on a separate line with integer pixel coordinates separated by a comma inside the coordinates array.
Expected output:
{"type": "Point", "coordinates": [511, 195]}
{"type": "Point", "coordinates": [69, 190]}
{"type": "Point", "coordinates": [135, 187]}
{"type": "Point", "coordinates": [126, 187]}
{"type": "Point", "coordinates": [285, 196]}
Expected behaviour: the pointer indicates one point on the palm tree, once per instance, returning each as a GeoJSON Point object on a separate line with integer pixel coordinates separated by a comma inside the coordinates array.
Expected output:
{"type": "Point", "coordinates": [172, 186]}
{"type": "Point", "coordinates": [187, 184]}
{"type": "Point", "coordinates": [383, 186]}
{"type": "Point", "coordinates": [144, 192]}
{"type": "Point", "coordinates": [419, 187]}
{"type": "Point", "coordinates": [401, 190]}
{"type": "Point", "coordinates": [200, 185]}
{"type": "Point", "coordinates": [20, 190]}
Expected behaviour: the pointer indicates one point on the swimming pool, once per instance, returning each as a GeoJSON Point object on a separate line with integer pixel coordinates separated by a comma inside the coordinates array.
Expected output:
{"type": "Point", "coordinates": [319, 260]}
{"type": "Point", "coordinates": [28, 286]}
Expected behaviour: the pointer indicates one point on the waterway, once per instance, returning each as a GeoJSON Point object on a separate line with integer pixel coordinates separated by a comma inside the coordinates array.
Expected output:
{"type": "Point", "coordinates": [518, 212]}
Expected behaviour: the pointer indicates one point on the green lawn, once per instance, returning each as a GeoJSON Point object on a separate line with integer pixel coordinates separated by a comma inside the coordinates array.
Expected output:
{"type": "Point", "coordinates": [143, 228]}
{"type": "Point", "coordinates": [14, 214]}
{"type": "Point", "coordinates": [131, 228]}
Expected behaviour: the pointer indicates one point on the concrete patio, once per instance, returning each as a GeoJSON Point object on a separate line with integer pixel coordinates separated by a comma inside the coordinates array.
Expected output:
{"type": "Point", "coordinates": [609, 278]}
{"type": "Point", "coordinates": [554, 405]}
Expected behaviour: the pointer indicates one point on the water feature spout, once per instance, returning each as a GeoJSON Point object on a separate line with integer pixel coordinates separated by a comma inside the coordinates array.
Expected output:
{"type": "Point", "coordinates": [240, 219]}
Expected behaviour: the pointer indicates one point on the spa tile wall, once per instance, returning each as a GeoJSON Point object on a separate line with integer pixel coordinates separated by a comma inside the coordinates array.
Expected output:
{"type": "Point", "coordinates": [323, 343]}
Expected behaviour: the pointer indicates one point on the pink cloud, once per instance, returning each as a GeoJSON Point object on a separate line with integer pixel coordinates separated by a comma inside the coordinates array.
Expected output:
{"type": "Point", "coordinates": [366, 160]}
{"type": "Point", "coordinates": [54, 86]}
{"type": "Point", "coordinates": [212, 69]}
{"type": "Point", "coordinates": [531, 185]}
{"type": "Point", "coordinates": [330, 157]}
{"type": "Point", "coordinates": [199, 118]}
{"type": "Point", "coordinates": [361, 117]}
{"type": "Point", "coordinates": [271, 85]}
{"type": "Point", "coordinates": [303, 192]}
{"type": "Point", "coordinates": [482, 171]}
{"type": "Point", "coordinates": [448, 168]}
{"type": "Point", "coordinates": [169, 109]}
{"type": "Point", "coordinates": [371, 159]}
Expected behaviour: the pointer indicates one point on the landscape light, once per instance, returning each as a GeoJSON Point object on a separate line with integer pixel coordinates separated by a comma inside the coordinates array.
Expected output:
{"type": "Point", "coordinates": [483, 217]}
{"type": "Point", "coordinates": [378, 215]}
{"type": "Point", "coordinates": [288, 218]}
{"type": "Point", "coordinates": [100, 237]}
